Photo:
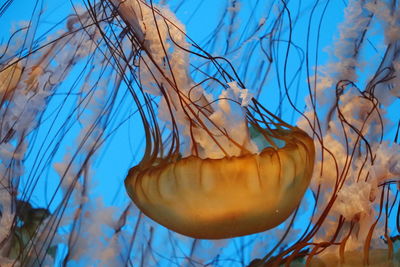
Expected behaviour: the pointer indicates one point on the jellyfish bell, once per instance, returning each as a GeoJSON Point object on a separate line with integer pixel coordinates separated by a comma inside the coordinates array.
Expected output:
{"type": "Point", "coordinates": [227, 197]}
{"type": "Point", "coordinates": [10, 75]}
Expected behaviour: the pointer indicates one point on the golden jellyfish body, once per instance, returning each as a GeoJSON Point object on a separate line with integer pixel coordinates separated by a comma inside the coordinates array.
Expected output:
{"type": "Point", "coordinates": [228, 197]}
{"type": "Point", "coordinates": [9, 78]}
{"type": "Point", "coordinates": [198, 194]}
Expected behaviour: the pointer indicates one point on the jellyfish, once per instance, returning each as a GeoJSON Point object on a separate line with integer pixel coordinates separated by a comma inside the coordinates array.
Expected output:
{"type": "Point", "coordinates": [201, 94]}
{"type": "Point", "coordinates": [223, 185]}
{"type": "Point", "coordinates": [9, 79]}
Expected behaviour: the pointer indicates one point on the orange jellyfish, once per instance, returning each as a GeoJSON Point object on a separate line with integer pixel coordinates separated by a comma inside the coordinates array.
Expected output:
{"type": "Point", "coordinates": [223, 185]}
{"type": "Point", "coordinates": [9, 78]}
{"type": "Point", "coordinates": [227, 197]}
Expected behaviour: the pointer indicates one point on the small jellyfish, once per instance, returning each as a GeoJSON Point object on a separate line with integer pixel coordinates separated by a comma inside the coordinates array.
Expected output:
{"type": "Point", "coordinates": [10, 75]}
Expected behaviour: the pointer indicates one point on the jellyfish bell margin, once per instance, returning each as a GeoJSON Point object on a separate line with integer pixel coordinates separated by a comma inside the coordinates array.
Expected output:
{"type": "Point", "coordinates": [227, 197]}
